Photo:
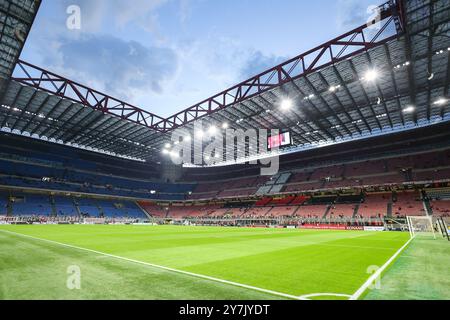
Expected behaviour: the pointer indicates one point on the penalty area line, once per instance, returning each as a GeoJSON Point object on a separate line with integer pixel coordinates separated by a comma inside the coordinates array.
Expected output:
{"type": "Point", "coordinates": [378, 273]}
{"type": "Point", "coordinates": [196, 275]}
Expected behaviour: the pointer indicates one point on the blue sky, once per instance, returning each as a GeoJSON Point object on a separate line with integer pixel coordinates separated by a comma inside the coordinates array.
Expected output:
{"type": "Point", "coordinates": [166, 55]}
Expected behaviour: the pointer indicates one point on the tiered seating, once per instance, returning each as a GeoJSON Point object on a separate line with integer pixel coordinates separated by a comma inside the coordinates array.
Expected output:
{"type": "Point", "coordinates": [299, 177]}
{"type": "Point", "coordinates": [441, 208]}
{"type": "Point", "coordinates": [439, 194]}
{"type": "Point", "coordinates": [3, 204]}
{"type": "Point", "coordinates": [282, 201]}
{"type": "Point", "coordinates": [365, 168]}
{"type": "Point", "coordinates": [201, 196]}
{"type": "Point", "coordinates": [65, 207]}
{"type": "Point", "coordinates": [342, 183]}
{"type": "Point", "coordinates": [222, 212]}
{"type": "Point", "coordinates": [131, 210]}
{"type": "Point", "coordinates": [314, 211]}
{"type": "Point", "coordinates": [427, 160]}
{"type": "Point", "coordinates": [228, 188]}
{"type": "Point", "coordinates": [32, 205]}
{"type": "Point", "coordinates": [398, 164]}
{"type": "Point", "coordinates": [341, 211]}
{"type": "Point", "coordinates": [327, 172]}
{"type": "Point", "coordinates": [391, 178]}
{"type": "Point", "coordinates": [88, 207]}
{"type": "Point", "coordinates": [283, 211]}
{"type": "Point", "coordinates": [408, 204]}
{"type": "Point", "coordinates": [432, 175]}
{"type": "Point", "coordinates": [109, 208]}
{"type": "Point", "coordinates": [257, 212]}
{"type": "Point", "coordinates": [237, 193]}
{"type": "Point", "coordinates": [153, 209]}
{"type": "Point", "coordinates": [375, 205]}
{"type": "Point", "coordinates": [263, 202]}
{"type": "Point", "coordinates": [299, 200]}
{"type": "Point", "coordinates": [191, 211]}
{"type": "Point", "coordinates": [316, 185]}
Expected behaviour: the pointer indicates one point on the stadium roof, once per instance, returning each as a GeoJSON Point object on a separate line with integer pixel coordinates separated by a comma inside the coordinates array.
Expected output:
{"type": "Point", "coordinates": [16, 18]}
{"type": "Point", "coordinates": [372, 80]}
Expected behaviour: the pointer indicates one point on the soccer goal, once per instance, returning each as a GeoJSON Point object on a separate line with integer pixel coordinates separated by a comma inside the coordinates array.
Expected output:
{"type": "Point", "coordinates": [421, 226]}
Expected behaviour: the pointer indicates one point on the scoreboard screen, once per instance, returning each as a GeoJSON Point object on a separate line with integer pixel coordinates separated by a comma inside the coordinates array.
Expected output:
{"type": "Point", "coordinates": [278, 141]}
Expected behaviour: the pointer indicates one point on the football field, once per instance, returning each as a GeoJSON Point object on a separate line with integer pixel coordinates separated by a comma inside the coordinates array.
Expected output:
{"type": "Point", "coordinates": [174, 262]}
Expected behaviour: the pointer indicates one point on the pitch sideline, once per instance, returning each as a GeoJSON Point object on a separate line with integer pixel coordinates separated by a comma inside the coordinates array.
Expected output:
{"type": "Point", "coordinates": [378, 273]}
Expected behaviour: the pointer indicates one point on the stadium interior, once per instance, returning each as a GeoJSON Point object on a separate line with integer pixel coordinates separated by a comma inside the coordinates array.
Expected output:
{"type": "Point", "coordinates": [361, 152]}
{"type": "Point", "coordinates": [366, 117]}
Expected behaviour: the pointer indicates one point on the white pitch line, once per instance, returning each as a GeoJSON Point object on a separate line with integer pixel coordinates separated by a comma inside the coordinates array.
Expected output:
{"type": "Point", "coordinates": [236, 284]}
{"type": "Point", "coordinates": [378, 273]}
{"type": "Point", "coordinates": [306, 296]}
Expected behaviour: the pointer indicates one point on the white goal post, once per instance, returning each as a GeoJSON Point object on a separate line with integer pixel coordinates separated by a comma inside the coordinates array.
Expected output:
{"type": "Point", "coordinates": [421, 226]}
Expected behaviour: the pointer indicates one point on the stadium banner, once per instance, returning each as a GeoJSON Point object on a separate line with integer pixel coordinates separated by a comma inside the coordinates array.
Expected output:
{"type": "Point", "coordinates": [331, 227]}
{"type": "Point", "coordinates": [324, 226]}
{"type": "Point", "coordinates": [374, 229]}
{"type": "Point", "coordinates": [358, 228]}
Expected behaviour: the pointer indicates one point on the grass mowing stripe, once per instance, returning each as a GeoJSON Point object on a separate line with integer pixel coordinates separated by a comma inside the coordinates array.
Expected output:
{"type": "Point", "coordinates": [161, 267]}
{"type": "Point", "coordinates": [378, 273]}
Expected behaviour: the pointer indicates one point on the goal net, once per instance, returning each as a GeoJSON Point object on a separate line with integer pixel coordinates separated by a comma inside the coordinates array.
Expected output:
{"type": "Point", "coordinates": [421, 226]}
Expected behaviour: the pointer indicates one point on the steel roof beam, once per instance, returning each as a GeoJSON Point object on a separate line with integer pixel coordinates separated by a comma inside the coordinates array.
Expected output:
{"type": "Point", "coordinates": [12, 106]}
{"type": "Point", "coordinates": [394, 81]}
{"type": "Point", "coordinates": [50, 115]}
{"type": "Point", "coordinates": [36, 113]}
{"type": "Point", "coordinates": [322, 56]}
{"type": "Point", "coordinates": [364, 92]}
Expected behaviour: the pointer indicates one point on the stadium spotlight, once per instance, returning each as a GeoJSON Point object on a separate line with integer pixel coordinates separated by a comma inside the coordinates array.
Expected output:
{"type": "Point", "coordinates": [440, 101]}
{"type": "Point", "coordinates": [167, 145]}
{"type": "Point", "coordinates": [334, 88]}
{"type": "Point", "coordinates": [409, 109]}
{"type": "Point", "coordinates": [286, 104]}
{"type": "Point", "coordinates": [225, 125]}
{"type": "Point", "coordinates": [165, 151]}
{"type": "Point", "coordinates": [212, 130]}
{"type": "Point", "coordinates": [199, 134]}
{"type": "Point", "coordinates": [371, 75]}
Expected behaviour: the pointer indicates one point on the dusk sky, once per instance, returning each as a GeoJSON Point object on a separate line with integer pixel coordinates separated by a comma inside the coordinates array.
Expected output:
{"type": "Point", "coordinates": [165, 55]}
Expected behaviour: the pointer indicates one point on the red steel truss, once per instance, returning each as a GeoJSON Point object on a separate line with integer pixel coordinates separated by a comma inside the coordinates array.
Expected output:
{"type": "Point", "coordinates": [57, 85]}
{"type": "Point", "coordinates": [390, 25]}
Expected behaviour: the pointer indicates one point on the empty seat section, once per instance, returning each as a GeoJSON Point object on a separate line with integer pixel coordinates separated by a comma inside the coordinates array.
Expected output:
{"type": "Point", "coordinates": [283, 211]}
{"type": "Point", "coordinates": [312, 211]}
{"type": "Point", "coordinates": [440, 208]}
{"type": "Point", "coordinates": [23, 205]}
{"type": "Point", "coordinates": [64, 206]}
{"type": "Point", "coordinates": [153, 209]}
{"type": "Point", "coordinates": [365, 168]}
{"type": "Point", "coordinates": [375, 205]}
{"type": "Point", "coordinates": [408, 204]}
{"type": "Point", "coordinates": [342, 211]}
{"type": "Point", "coordinates": [88, 207]}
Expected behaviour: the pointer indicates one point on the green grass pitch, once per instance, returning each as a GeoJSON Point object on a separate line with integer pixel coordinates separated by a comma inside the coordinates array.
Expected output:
{"type": "Point", "coordinates": [283, 263]}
